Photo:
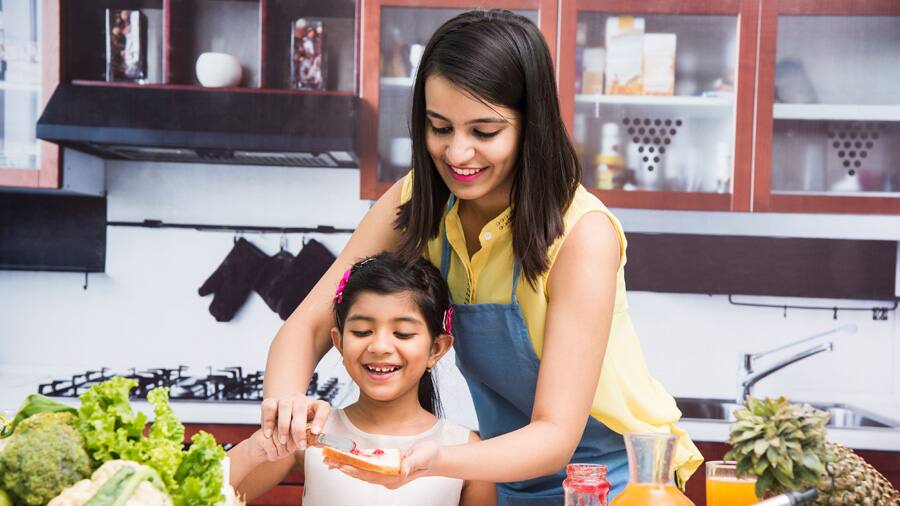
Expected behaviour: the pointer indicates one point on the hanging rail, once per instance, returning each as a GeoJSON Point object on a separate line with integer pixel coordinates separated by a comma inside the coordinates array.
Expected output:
{"type": "Point", "coordinates": [878, 312]}
{"type": "Point", "coordinates": [320, 229]}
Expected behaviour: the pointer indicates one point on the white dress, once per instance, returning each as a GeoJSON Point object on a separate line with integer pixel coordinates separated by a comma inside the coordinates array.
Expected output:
{"type": "Point", "coordinates": [331, 487]}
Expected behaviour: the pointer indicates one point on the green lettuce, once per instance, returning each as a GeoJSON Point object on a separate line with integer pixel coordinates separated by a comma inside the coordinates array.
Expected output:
{"type": "Point", "coordinates": [200, 475]}
{"type": "Point", "coordinates": [112, 430]}
{"type": "Point", "coordinates": [107, 422]}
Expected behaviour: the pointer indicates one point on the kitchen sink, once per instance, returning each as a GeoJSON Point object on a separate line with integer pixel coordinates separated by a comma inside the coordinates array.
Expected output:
{"type": "Point", "coordinates": [842, 416]}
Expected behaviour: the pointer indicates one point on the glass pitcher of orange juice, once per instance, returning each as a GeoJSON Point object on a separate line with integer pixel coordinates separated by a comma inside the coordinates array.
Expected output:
{"type": "Point", "coordinates": [650, 472]}
{"type": "Point", "coordinates": [725, 488]}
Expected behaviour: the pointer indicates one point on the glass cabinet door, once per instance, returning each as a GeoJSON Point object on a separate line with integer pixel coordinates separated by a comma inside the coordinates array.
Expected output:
{"type": "Point", "coordinates": [20, 83]}
{"type": "Point", "coordinates": [389, 65]}
{"type": "Point", "coordinates": [830, 108]}
{"type": "Point", "coordinates": [29, 70]}
{"type": "Point", "coordinates": [653, 94]}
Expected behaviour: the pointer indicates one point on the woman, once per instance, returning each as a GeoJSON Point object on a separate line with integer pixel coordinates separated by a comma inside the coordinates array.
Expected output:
{"type": "Point", "coordinates": [535, 268]}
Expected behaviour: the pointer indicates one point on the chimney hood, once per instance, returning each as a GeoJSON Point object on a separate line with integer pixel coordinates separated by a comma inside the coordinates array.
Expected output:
{"type": "Point", "coordinates": [252, 127]}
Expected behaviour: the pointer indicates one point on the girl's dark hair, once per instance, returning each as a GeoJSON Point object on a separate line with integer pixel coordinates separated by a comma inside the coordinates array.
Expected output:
{"type": "Point", "coordinates": [501, 58]}
{"type": "Point", "coordinates": [386, 274]}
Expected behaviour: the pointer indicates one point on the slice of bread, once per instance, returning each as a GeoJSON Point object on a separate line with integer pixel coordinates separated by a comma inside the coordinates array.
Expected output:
{"type": "Point", "coordinates": [385, 461]}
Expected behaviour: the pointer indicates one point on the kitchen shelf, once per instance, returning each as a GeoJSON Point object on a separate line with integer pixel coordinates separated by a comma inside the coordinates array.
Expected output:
{"type": "Point", "coordinates": [841, 112]}
{"type": "Point", "coordinates": [675, 101]}
{"type": "Point", "coordinates": [832, 193]}
{"type": "Point", "coordinates": [406, 82]}
{"type": "Point", "coordinates": [698, 107]}
{"type": "Point", "coordinates": [235, 89]}
{"type": "Point", "coordinates": [19, 86]}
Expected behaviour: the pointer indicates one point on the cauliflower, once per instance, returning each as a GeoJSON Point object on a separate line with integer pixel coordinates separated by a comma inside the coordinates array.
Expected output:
{"type": "Point", "coordinates": [44, 455]}
{"type": "Point", "coordinates": [113, 480]}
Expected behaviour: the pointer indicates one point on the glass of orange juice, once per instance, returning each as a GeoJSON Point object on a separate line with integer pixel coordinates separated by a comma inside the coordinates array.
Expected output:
{"type": "Point", "coordinates": [725, 488]}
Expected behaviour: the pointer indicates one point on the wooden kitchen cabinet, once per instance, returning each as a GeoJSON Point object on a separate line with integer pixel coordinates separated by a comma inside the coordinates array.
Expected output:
{"type": "Point", "coordinates": [288, 493]}
{"type": "Point", "coordinates": [258, 33]}
{"type": "Point", "coordinates": [393, 32]}
{"type": "Point", "coordinates": [684, 141]}
{"type": "Point", "coordinates": [29, 72]}
{"type": "Point", "coordinates": [778, 105]}
{"type": "Point", "coordinates": [828, 107]}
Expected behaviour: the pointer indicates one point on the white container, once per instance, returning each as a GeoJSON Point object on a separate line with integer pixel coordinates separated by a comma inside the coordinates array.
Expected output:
{"type": "Point", "coordinates": [217, 70]}
{"type": "Point", "coordinates": [659, 64]}
{"type": "Point", "coordinates": [624, 54]}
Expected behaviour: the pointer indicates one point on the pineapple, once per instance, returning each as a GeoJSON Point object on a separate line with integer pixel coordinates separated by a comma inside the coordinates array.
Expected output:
{"type": "Point", "coordinates": [784, 446]}
{"type": "Point", "coordinates": [851, 480]}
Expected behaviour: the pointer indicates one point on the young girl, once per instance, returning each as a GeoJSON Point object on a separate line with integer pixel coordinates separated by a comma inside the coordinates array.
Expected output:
{"type": "Point", "coordinates": [392, 327]}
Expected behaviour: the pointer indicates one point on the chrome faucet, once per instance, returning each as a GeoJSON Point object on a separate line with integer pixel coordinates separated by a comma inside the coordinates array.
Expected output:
{"type": "Point", "coordinates": [750, 376]}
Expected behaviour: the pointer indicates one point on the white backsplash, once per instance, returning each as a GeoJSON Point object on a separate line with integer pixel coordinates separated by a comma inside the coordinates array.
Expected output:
{"type": "Point", "coordinates": [144, 311]}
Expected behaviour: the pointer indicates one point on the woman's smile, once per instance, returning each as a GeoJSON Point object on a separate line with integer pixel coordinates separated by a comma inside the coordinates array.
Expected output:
{"type": "Point", "coordinates": [465, 174]}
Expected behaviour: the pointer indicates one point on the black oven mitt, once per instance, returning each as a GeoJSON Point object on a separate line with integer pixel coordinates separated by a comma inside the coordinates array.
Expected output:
{"type": "Point", "coordinates": [233, 279]}
{"type": "Point", "coordinates": [266, 283]}
{"type": "Point", "coordinates": [304, 272]}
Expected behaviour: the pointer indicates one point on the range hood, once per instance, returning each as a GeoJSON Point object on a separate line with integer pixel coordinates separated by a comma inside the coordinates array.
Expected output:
{"type": "Point", "coordinates": [186, 125]}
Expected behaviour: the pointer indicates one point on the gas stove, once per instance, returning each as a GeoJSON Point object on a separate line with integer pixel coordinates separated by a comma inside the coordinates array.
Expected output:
{"type": "Point", "coordinates": [226, 384]}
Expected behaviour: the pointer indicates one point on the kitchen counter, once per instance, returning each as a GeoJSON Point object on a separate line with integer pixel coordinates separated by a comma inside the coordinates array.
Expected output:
{"type": "Point", "coordinates": [16, 382]}
{"type": "Point", "coordinates": [858, 439]}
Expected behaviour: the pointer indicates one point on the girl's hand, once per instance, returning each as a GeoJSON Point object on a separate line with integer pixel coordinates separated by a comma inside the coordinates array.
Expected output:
{"type": "Point", "coordinates": [284, 421]}
{"type": "Point", "coordinates": [415, 462]}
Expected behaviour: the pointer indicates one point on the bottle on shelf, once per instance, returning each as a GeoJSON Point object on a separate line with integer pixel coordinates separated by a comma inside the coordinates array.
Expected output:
{"type": "Point", "coordinates": [651, 472]}
{"type": "Point", "coordinates": [610, 162]}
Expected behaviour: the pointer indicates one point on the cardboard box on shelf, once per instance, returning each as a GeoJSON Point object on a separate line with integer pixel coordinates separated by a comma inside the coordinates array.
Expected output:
{"type": "Point", "coordinates": [659, 64]}
{"type": "Point", "coordinates": [624, 53]}
{"type": "Point", "coordinates": [592, 77]}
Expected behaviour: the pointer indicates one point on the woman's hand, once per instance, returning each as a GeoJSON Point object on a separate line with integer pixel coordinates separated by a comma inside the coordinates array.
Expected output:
{"type": "Point", "coordinates": [261, 449]}
{"type": "Point", "coordinates": [284, 421]}
{"type": "Point", "coordinates": [418, 461]}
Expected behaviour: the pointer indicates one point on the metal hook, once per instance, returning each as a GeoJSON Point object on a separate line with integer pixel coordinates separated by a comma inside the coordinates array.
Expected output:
{"type": "Point", "coordinates": [283, 243]}
{"type": "Point", "coordinates": [85, 280]}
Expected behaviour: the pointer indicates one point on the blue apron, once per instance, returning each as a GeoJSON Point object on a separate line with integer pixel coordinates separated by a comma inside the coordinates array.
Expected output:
{"type": "Point", "coordinates": [495, 355]}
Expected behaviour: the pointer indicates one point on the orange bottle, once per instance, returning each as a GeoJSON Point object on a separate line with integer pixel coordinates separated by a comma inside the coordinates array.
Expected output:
{"type": "Point", "coordinates": [650, 472]}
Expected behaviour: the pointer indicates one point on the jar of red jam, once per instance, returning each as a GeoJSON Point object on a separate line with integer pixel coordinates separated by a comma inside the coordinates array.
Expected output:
{"type": "Point", "coordinates": [586, 485]}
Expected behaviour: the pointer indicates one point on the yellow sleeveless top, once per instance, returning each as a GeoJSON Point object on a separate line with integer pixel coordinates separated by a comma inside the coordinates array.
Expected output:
{"type": "Point", "coordinates": [628, 398]}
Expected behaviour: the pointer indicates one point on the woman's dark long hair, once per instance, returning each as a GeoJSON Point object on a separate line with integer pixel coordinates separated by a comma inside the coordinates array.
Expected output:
{"type": "Point", "coordinates": [501, 58]}
{"type": "Point", "coordinates": [386, 274]}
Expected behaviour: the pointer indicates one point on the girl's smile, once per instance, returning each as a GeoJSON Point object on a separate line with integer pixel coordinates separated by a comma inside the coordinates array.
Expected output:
{"type": "Point", "coordinates": [381, 372]}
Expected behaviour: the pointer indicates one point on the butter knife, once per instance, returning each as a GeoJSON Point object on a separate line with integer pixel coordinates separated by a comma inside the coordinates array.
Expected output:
{"type": "Point", "coordinates": [337, 442]}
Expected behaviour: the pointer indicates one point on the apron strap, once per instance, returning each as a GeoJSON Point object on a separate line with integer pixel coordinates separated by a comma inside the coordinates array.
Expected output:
{"type": "Point", "coordinates": [445, 244]}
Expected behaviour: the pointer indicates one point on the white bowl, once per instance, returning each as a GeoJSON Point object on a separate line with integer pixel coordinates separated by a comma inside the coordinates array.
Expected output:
{"type": "Point", "coordinates": [217, 70]}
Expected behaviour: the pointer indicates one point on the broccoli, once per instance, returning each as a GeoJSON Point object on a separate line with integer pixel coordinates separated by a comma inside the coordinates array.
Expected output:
{"type": "Point", "coordinates": [44, 455]}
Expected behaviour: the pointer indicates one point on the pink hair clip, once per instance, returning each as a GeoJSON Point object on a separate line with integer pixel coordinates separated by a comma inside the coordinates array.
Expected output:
{"type": "Point", "coordinates": [339, 294]}
{"type": "Point", "coordinates": [448, 320]}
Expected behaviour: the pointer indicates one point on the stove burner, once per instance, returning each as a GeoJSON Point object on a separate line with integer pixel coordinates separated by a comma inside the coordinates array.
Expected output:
{"type": "Point", "coordinates": [228, 384]}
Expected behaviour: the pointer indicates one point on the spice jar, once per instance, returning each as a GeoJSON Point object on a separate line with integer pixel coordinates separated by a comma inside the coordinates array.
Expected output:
{"type": "Point", "coordinates": [586, 485]}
